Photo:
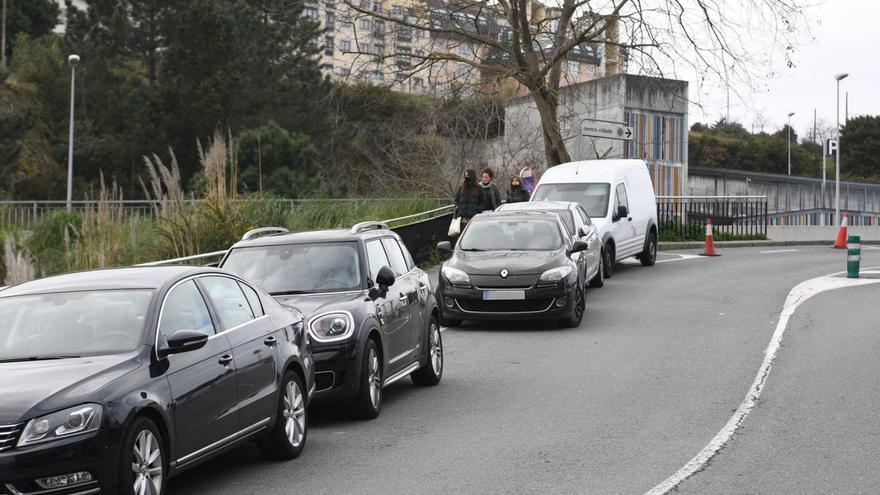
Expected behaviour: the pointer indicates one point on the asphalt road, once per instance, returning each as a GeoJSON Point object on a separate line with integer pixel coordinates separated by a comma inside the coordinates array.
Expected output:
{"type": "Point", "coordinates": [663, 358]}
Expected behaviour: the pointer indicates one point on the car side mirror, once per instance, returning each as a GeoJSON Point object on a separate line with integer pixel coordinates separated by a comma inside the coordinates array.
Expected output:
{"type": "Point", "coordinates": [184, 341]}
{"type": "Point", "coordinates": [445, 248]}
{"type": "Point", "coordinates": [385, 278]}
{"type": "Point", "coordinates": [577, 247]}
{"type": "Point", "coordinates": [622, 211]}
{"type": "Point", "coordinates": [582, 232]}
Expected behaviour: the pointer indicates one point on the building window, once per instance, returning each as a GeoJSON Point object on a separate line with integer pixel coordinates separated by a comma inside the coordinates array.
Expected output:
{"type": "Point", "coordinates": [438, 44]}
{"type": "Point", "coordinates": [378, 76]}
{"type": "Point", "coordinates": [365, 4]}
{"type": "Point", "coordinates": [463, 70]}
{"type": "Point", "coordinates": [464, 49]}
{"type": "Point", "coordinates": [343, 71]}
{"type": "Point", "coordinates": [310, 12]}
{"type": "Point", "coordinates": [330, 4]}
{"type": "Point", "coordinates": [404, 35]}
{"type": "Point", "coordinates": [410, 12]}
{"type": "Point", "coordinates": [591, 69]}
{"type": "Point", "coordinates": [345, 45]}
{"type": "Point", "coordinates": [327, 68]}
{"type": "Point", "coordinates": [377, 7]}
{"type": "Point", "coordinates": [379, 27]}
{"type": "Point", "coordinates": [379, 50]}
{"type": "Point", "coordinates": [364, 47]}
{"type": "Point", "coordinates": [328, 45]}
{"type": "Point", "coordinates": [396, 10]}
{"type": "Point", "coordinates": [574, 68]}
{"type": "Point", "coordinates": [345, 19]}
{"type": "Point", "coordinates": [399, 76]}
{"type": "Point", "coordinates": [364, 24]}
{"type": "Point", "coordinates": [417, 82]}
{"type": "Point", "coordinates": [330, 20]}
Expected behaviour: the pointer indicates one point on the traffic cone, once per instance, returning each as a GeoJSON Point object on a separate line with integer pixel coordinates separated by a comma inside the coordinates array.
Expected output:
{"type": "Point", "coordinates": [709, 250]}
{"type": "Point", "coordinates": [841, 234]}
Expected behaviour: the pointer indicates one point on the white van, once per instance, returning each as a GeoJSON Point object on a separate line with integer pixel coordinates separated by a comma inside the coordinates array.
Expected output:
{"type": "Point", "coordinates": [619, 198]}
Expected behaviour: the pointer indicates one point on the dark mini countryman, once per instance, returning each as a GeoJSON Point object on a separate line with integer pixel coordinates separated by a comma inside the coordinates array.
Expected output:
{"type": "Point", "coordinates": [370, 310]}
{"type": "Point", "coordinates": [112, 381]}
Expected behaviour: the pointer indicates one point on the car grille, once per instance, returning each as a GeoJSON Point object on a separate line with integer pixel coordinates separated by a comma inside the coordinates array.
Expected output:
{"type": "Point", "coordinates": [496, 282]}
{"type": "Point", "coordinates": [525, 306]}
{"type": "Point", "coordinates": [9, 435]}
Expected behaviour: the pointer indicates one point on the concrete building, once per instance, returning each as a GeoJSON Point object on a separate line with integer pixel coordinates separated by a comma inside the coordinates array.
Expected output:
{"type": "Point", "coordinates": [655, 109]}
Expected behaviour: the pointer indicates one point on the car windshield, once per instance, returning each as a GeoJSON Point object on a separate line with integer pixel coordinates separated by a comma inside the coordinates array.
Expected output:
{"type": "Point", "coordinates": [72, 324]}
{"type": "Point", "coordinates": [564, 213]}
{"type": "Point", "coordinates": [511, 235]}
{"type": "Point", "coordinates": [592, 196]}
{"type": "Point", "coordinates": [298, 268]}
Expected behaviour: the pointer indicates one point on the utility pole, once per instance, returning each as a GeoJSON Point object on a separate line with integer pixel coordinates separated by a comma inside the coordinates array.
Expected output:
{"type": "Point", "coordinates": [814, 125]}
{"type": "Point", "coordinates": [73, 60]}
{"type": "Point", "coordinates": [838, 77]}
{"type": "Point", "coordinates": [789, 142]}
{"type": "Point", "coordinates": [3, 43]}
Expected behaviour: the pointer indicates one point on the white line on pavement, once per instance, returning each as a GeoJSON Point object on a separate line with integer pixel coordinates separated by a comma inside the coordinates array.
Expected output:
{"type": "Point", "coordinates": [796, 297]}
{"type": "Point", "coordinates": [780, 251]}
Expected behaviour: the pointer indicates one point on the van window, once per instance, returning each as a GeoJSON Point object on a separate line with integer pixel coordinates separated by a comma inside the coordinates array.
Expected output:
{"type": "Point", "coordinates": [592, 196]}
{"type": "Point", "coordinates": [621, 196]}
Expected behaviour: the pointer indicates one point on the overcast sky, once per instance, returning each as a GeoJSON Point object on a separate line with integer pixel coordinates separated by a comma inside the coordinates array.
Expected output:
{"type": "Point", "coordinates": [845, 38]}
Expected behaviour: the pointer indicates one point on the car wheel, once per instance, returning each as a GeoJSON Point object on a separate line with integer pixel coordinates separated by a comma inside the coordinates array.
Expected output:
{"type": "Point", "coordinates": [649, 255]}
{"type": "Point", "coordinates": [432, 371]}
{"type": "Point", "coordinates": [608, 260]}
{"type": "Point", "coordinates": [287, 438]}
{"type": "Point", "coordinates": [577, 310]}
{"type": "Point", "coordinates": [598, 279]}
{"type": "Point", "coordinates": [144, 468]}
{"type": "Point", "coordinates": [368, 402]}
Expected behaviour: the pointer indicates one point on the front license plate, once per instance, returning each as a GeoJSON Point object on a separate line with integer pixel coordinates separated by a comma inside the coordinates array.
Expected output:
{"type": "Point", "coordinates": [504, 295]}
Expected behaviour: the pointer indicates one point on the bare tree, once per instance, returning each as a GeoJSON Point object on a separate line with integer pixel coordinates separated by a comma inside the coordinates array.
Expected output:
{"type": "Point", "coordinates": [529, 43]}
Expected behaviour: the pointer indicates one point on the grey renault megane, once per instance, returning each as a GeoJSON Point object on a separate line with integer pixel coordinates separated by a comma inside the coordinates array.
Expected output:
{"type": "Point", "coordinates": [513, 265]}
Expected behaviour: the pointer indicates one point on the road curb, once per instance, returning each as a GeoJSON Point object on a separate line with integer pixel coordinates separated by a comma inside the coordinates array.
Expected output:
{"type": "Point", "coordinates": [667, 246]}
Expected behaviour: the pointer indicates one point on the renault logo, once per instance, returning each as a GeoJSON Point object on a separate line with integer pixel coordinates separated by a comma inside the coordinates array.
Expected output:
{"type": "Point", "coordinates": [504, 273]}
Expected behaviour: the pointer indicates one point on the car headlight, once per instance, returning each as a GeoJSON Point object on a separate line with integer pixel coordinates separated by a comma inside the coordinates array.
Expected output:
{"type": "Point", "coordinates": [332, 327]}
{"type": "Point", "coordinates": [555, 275]}
{"type": "Point", "coordinates": [62, 424]}
{"type": "Point", "coordinates": [455, 276]}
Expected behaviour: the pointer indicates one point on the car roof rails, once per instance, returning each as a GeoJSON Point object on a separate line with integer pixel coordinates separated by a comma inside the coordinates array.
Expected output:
{"type": "Point", "coordinates": [364, 226]}
{"type": "Point", "coordinates": [262, 231]}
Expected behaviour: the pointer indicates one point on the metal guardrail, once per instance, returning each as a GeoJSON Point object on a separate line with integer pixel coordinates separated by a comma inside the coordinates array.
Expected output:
{"type": "Point", "coordinates": [430, 215]}
{"type": "Point", "coordinates": [27, 213]}
{"type": "Point", "coordinates": [685, 216]}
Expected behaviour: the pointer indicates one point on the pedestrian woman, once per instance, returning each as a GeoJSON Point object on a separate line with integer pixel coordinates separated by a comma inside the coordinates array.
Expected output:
{"type": "Point", "coordinates": [467, 198]}
{"type": "Point", "coordinates": [490, 198]}
{"type": "Point", "coordinates": [516, 194]}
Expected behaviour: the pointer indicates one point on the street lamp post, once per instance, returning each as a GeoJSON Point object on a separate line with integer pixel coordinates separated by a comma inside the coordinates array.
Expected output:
{"type": "Point", "coordinates": [838, 77]}
{"type": "Point", "coordinates": [789, 142]}
{"type": "Point", "coordinates": [73, 60]}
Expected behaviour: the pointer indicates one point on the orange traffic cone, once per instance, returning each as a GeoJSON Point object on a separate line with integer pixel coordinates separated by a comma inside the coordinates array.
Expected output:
{"type": "Point", "coordinates": [841, 234]}
{"type": "Point", "coordinates": [709, 250]}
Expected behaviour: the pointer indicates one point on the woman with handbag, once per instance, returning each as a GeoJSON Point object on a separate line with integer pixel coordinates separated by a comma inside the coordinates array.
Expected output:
{"type": "Point", "coordinates": [467, 202]}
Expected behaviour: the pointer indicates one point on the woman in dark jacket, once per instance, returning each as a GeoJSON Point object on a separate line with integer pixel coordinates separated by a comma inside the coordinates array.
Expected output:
{"type": "Point", "coordinates": [491, 198]}
{"type": "Point", "coordinates": [517, 194]}
{"type": "Point", "coordinates": [467, 198]}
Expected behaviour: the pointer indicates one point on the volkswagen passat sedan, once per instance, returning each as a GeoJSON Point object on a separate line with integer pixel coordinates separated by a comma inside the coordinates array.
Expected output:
{"type": "Point", "coordinates": [112, 381]}
{"type": "Point", "coordinates": [371, 311]}
{"type": "Point", "coordinates": [513, 265]}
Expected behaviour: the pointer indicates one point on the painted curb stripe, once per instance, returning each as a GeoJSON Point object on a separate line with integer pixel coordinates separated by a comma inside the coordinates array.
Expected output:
{"type": "Point", "coordinates": [799, 294]}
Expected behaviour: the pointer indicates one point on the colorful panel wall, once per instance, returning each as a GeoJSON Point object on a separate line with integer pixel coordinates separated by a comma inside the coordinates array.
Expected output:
{"type": "Point", "coordinates": [660, 140]}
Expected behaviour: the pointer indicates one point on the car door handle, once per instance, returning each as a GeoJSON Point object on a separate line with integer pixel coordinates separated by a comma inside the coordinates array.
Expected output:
{"type": "Point", "coordinates": [270, 341]}
{"type": "Point", "coordinates": [225, 359]}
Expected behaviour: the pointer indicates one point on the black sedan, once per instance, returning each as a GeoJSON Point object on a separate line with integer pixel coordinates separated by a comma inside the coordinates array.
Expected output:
{"type": "Point", "coordinates": [513, 265]}
{"type": "Point", "coordinates": [371, 311]}
{"type": "Point", "coordinates": [113, 381]}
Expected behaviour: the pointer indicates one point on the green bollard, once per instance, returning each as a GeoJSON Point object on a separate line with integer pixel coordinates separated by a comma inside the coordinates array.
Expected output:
{"type": "Point", "coordinates": [853, 256]}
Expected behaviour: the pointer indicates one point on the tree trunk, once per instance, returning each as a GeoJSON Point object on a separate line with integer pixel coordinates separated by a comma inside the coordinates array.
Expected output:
{"type": "Point", "coordinates": [554, 145]}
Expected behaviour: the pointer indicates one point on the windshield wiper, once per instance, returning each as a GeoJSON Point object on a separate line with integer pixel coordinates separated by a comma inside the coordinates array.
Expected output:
{"type": "Point", "coordinates": [36, 358]}
{"type": "Point", "coordinates": [289, 292]}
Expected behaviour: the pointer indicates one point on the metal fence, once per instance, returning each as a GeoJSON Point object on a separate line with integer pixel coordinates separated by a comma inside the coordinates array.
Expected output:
{"type": "Point", "coordinates": [419, 232]}
{"type": "Point", "coordinates": [685, 216]}
{"type": "Point", "coordinates": [25, 214]}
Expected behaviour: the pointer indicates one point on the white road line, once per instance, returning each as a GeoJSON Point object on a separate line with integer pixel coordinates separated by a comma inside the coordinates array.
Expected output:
{"type": "Point", "coordinates": [680, 257]}
{"type": "Point", "coordinates": [779, 251]}
{"type": "Point", "coordinates": [796, 297]}
{"type": "Point", "coordinates": [870, 247]}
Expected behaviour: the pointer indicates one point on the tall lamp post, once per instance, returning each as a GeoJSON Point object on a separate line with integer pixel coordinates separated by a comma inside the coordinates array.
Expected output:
{"type": "Point", "coordinates": [838, 77]}
{"type": "Point", "coordinates": [789, 142]}
{"type": "Point", "coordinates": [73, 60]}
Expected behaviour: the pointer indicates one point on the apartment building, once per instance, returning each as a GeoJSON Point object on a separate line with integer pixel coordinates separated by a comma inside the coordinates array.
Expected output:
{"type": "Point", "coordinates": [393, 50]}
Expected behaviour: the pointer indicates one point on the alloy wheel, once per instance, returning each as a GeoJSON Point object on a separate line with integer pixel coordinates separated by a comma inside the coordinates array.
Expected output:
{"type": "Point", "coordinates": [374, 377]}
{"type": "Point", "coordinates": [436, 350]}
{"type": "Point", "coordinates": [147, 464]}
{"type": "Point", "coordinates": [294, 414]}
{"type": "Point", "coordinates": [579, 304]}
